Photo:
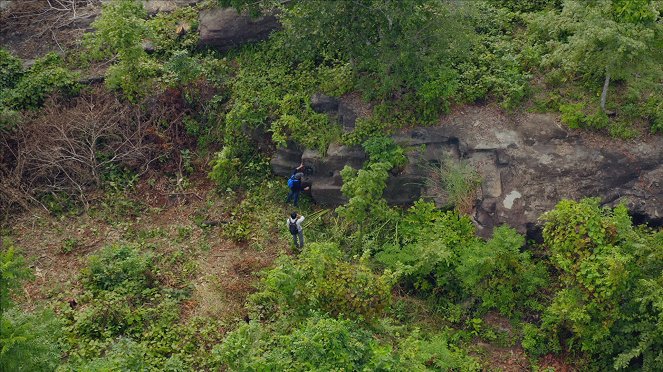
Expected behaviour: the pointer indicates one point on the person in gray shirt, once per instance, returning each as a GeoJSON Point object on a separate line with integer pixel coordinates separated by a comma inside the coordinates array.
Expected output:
{"type": "Point", "coordinates": [295, 226]}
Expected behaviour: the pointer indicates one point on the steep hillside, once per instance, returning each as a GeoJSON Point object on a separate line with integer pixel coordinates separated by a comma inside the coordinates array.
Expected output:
{"type": "Point", "coordinates": [480, 183]}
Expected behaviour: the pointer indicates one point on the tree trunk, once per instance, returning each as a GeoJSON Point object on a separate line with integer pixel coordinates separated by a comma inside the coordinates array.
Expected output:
{"type": "Point", "coordinates": [604, 94]}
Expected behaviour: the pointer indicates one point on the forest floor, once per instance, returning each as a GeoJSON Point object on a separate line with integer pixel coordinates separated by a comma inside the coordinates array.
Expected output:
{"type": "Point", "coordinates": [220, 271]}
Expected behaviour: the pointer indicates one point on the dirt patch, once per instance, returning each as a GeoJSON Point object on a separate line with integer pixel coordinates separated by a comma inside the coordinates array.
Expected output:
{"type": "Point", "coordinates": [357, 104]}
{"type": "Point", "coordinates": [506, 359]}
{"type": "Point", "coordinates": [498, 322]}
{"type": "Point", "coordinates": [556, 362]}
{"type": "Point", "coordinates": [56, 251]}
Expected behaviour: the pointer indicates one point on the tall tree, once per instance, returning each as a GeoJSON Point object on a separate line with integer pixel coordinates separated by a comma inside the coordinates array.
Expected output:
{"type": "Point", "coordinates": [392, 44]}
{"type": "Point", "coordinates": [607, 39]}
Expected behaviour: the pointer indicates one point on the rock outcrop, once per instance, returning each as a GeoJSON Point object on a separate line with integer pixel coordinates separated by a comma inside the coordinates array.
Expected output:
{"type": "Point", "coordinates": [527, 162]}
{"type": "Point", "coordinates": [225, 28]}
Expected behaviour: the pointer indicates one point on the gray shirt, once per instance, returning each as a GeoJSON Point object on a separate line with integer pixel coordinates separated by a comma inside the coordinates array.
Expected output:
{"type": "Point", "coordinates": [297, 221]}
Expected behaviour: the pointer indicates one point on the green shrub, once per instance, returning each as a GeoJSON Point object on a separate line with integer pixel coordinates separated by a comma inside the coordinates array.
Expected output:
{"type": "Point", "coordinates": [366, 207]}
{"type": "Point", "coordinates": [573, 115]}
{"type": "Point", "coordinates": [118, 266]}
{"type": "Point", "coordinates": [119, 32]}
{"type": "Point", "coordinates": [226, 169]}
{"type": "Point", "coordinates": [163, 29]}
{"type": "Point", "coordinates": [10, 70]}
{"type": "Point", "coordinates": [435, 352]}
{"type": "Point", "coordinates": [455, 181]}
{"type": "Point", "coordinates": [598, 120]}
{"type": "Point", "coordinates": [654, 113]}
{"type": "Point", "coordinates": [46, 76]}
{"type": "Point", "coordinates": [29, 341]}
{"type": "Point", "coordinates": [133, 78]}
{"type": "Point", "coordinates": [604, 266]}
{"type": "Point", "coordinates": [526, 5]}
{"type": "Point", "coordinates": [12, 273]}
{"type": "Point", "coordinates": [272, 94]}
{"type": "Point", "coordinates": [9, 119]}
{"type": "Point", "coordinates": [115, 313]}
{"type": "Point", "coordinates": [366, 128]}
{"type": "Point", "coordinates": [383, 149]}
{"type": "Point", "coordinates": [320, 343]}
{"type": "Point", "coordinates": [494, 67]}
{"type": "Point", "coordinates": [431, 242]}
{"type": "Point", "coordinates": [535, 341]}
{"type": "Point", "coordinates": [500, 275]}
{"type": "Point", "coordinates": [318, 280]}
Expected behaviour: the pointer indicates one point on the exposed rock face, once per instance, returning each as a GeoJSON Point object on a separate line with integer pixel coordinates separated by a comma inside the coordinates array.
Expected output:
{"type": "Point", "coordinates": [225, 28]}
{"type": "Point", "coordinates": [528, 163]}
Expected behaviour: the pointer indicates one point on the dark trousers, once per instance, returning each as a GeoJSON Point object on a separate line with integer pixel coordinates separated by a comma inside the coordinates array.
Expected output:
{"type": "Point", "coordinates": [293, 194]}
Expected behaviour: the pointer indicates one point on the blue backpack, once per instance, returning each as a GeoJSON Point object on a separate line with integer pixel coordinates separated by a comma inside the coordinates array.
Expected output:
{"type": "Point", "coordinates": [292, 182]}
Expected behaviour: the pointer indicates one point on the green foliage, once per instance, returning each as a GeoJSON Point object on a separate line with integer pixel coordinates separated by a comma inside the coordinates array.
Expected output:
{"type": "Point", "coordinates": [226, 169]}
{"type": "Point", "coordinates": [500, 275]}
{"type": "Point", "coordinates": [48, 75]}
{"type": "Point", "coordinates": [526, 5]}
{"type": "Point", "coordinates": [120, 31]}
{"type": "Point", "coordinates": [535, 341]}
{"type": "Point", "coordinates": [29, 341]}
{"type": "Point", "coordinates": [174, 31]}
{"type": "Point", "coordinates": [604, 264]}
{"type": "Point", "coordinates": [495, 64]}
{"type": "Point", "coordinates": [127, 318]}
{"type": "Point", "coordinates": [257, 206]}
{"type": "Point", "coordinates": [613, 40]}
{"type": "Point", "coordinates": [626, 43]}
{"type": "Point", "coordinates": [319, 280]}
{"type": "Point", "coordinates": [10, 70]}
{"type": "Point", "coordinates": [12, 272]}
{"type": "Point", "coordinates": [456, 181]}
{"type": "Point", "coordinates": [233, 169]}
{"type": "Point", "coordinates": [572, 115]}
{"type": "Point", "coordinates": [9, 119]}
{"type": "Point", "coordinates": [321, 343]}
{"type": "Point", "coordinates": [328, 344]}
{"type": "Point", "coordinates": [118, 266]}
{"type": "Point", "coordinates": [433, 353]}
{"type": "Point", "coordinates": [654, 114]}
{"type": "Point", "coordinates": [364, 189]}
{"type": "Point", "coordinates": [117, 204]}
{"type": "Point", "coordinates": [383, 149]}
{"type": "Point", "coordinates": [366, 128]}
{"type": "Point", "coordinates": [366, 207]}
{"type": "Point", "coordinates": [269, 93]}
{"type": "Point", "coordinates": [431, 243]}
{"type": "Point", "coordinates": [424, 32]}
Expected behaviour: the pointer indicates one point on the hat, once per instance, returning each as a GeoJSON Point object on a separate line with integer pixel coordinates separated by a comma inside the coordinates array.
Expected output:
{"type": "Point", "coordinates": [298, 176]}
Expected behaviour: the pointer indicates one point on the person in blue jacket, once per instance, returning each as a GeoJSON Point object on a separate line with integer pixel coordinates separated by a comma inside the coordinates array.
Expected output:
{"type": "Point", "coordinates": [295, 184]}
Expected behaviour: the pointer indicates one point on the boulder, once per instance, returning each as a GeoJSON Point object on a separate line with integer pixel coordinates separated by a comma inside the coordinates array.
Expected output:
{"type": "Point", "coordinates": [286, 159]}
{"type": "Point", "coordinates": [346, 117]}
{"type": "Point", "coordinates": [324, 104]}
{"type": "Point", "coordinates": [225, 28]}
